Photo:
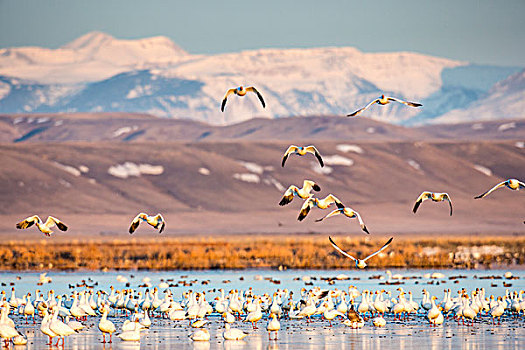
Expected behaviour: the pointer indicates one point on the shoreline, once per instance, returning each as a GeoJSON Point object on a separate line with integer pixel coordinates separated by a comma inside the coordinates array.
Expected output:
{"type": "Point", "coordinates": [258, 252]}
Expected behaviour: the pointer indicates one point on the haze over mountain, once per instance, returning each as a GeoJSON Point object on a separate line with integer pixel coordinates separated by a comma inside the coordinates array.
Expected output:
{"type": "Point", "coordinates": [97, 72]}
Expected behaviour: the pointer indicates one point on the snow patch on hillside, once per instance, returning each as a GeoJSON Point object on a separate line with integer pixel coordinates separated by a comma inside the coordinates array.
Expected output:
{"type": "Point", "coordinates": [247, 177]}
{"type": "Point", "coordinates": [414, 164]}
{"type": "Point", "coordinates": [506, 126]}
{"type": "Point", "coordinates": [349, 148]}
{"type": "Point", "coordinates": [128, 169]}
{"type": "Point", "coordinates": [204, 171]}
{"type": "Point", "coordinates": [124, 130]}
{"type": "Point", "coordinates": [338, 160]}
{"type": "Point", "coordinates": [483, 169]}
{"type": "Point", "coordinates": [68, 168]}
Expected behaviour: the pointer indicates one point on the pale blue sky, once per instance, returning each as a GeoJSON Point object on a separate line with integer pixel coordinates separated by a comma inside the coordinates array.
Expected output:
{"type": "Point", "coordinates": [480, 31]}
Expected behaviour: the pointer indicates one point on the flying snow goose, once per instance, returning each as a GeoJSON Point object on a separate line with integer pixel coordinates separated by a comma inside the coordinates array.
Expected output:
{"type": "Point", "coordinates": [302, 150]}
{"type": "Point", "coordinates": [155, 221]}
{"type": "Point", "coordinates": [241, 91]}
{"type": "Point", "coordinates": [45, 228]}
{"type": "Point", "coordinates": [319, 203]}
{"type": "Point", "coordinates": [361, 264]}
{"type": "Point", "coordinates": [384, 100]}
{"type": "Point", "coordinates": [435, 196]}
{"type": "Point", "coordinates": [348, 212]}
{"type": "Point", "coordinates": [513, 184]}
{"type": "Point", "coordinates": [303, 192]}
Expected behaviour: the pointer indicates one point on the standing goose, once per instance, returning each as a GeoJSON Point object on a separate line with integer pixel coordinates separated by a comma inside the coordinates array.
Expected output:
{"type": "Point", "coordinates": [513, 184]}
{"type": "Point", "coordinates": [300, 150]}
{"type": "Point", "coordinates": [361, 264]}
{"type": "Point", "coordinates": [348, 212]}
{"type": "Point", "coordinates": [435, 196]}
{"type": "Point", "coordinates": [45, 228]}
{"type": "Point", "coordinates": [105, 325]}
{"type": "Point", "coordinates": [273, 326]}
{"type": "Point", "coordinates": [241, 91]}
{"type": "Point", "coordinates": [155, 221]}
{"type": "Point", "coordinates": [384, 100]}
{"type": "Point", "coordinates": [304, 192]}
{"type": "Point", "coordinates": [58, 327]}
{"type": "Point", "coordinates": [319, 203]}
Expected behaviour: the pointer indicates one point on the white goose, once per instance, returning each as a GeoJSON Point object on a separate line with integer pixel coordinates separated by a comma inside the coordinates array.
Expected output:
{"type": "Point", "coordinates": [105, 325]}
{"type": "Point", "coordinates": [45, 228]}
{"type": "Point", "coordinates": [348, 212]}
{"type": "Point", "coordinates": [301, 151]}
{"type": "Point", "coordinates": [241, 91]}
{"type": "Point", "coordinates": [324, 203]}
{"type": "Point", "coordinates": [513, 184]}
{"type": "Point", "coordinates": [435, 197]}
{"type": "Point", "coordinates": [154, 220]}
{"type": "Point", "coordinates": [58, 327]}
{"type": "Point", "coordinates": [384, 100]}
{"type": "Point", "coordinates": [304, 192]}
{"type": "Point", "coordinates": [273, 326]}
{"type": "Point", "coordinates": [360, 263]}
{"type": "Point", "coordinates": [233, 333]}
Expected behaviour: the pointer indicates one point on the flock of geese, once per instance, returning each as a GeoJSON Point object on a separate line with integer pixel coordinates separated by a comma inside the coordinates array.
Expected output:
{"type": "Point", "coordinates": [57, 312]}
{"type": "Point", "coordinates": [133, 311]}
{"type": "Point", "coordinates": [305, 193]}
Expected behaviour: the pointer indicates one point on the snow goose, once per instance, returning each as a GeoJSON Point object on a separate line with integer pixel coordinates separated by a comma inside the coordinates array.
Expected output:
{"type": "Point", "coordinates": [304, 192]}
{"type": "Point", "coordinates": [301, 151]}
{"type": "Point", "coordinates": [435, 197]}
{"type": "Point", "coordinates": [379, 321]}
{"type": "Point", "coordinates": [241, 91]}
{"type": "Point", "coordinates": [360, 263]}
{"type": "Point", "coordinates": [45, 228]}
{"type": "Point", "coordinates": [330, 314]}
{"type": "Point", "coordinates": [256, 315]}
{"type": "Point", "coordinates": [75, 325]}
{"type": "Point", "coordinates": [273, 326]}
{"type": "Point", "coordinates": [201, 335]}
{"type": "Point", "coordinates": [233, 333]}
{"type": "Point", "coordinates": [384, 100]}
{"type": "Point", "coordinates": [155, 221]}
{"type": "Point", "coordinates": [105, 325]}
{"type": "Point", "coordinates": [348, 212]}
{"type": "Point", "coordinates": [131, 335]}
{"type": "Point", "coordinates": [58, 327]}
{"type": "Point", "coordinates": [513, 184]}
{"type": "Point", "coordinates": [44, 326]}
{"type": "Point", "coordinates": [324, 203]}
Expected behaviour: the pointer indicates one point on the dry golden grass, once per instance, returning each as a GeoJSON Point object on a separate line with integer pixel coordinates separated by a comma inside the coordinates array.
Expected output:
{"type": "Point", "coordinates": [240, 252]}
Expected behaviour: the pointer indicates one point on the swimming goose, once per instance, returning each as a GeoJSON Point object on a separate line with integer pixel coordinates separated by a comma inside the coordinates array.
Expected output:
{"type": "Point", "coordinates": [513, 184]}
{"type": "Point", "coordinates": [319, 203]}
{"type": "Point", "coordinates": [241, 91]}
{"type": "Point", "coordinates": [348, 212]}
{"type": "Point", "coordinates": [300, 150]}
{"type": "Point", "coordinates": [384, 100]}
{"type": "Point", "coordinates": [435, 196]}
{"type": "Point", "coordinates": [45, 228]}
{"type": "Point", "coordinates": [304, 192]}
{"type": "Point", "coordinates": [361, 264]}
{"type": "Point", "coordinates": [154, 221]}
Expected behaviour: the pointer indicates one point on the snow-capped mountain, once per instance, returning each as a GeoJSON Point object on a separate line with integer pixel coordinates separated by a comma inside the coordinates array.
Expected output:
{"type": "Point", "coordinates": [506, 98]}
{"type": "Point", "coordinates": [97, 72]}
